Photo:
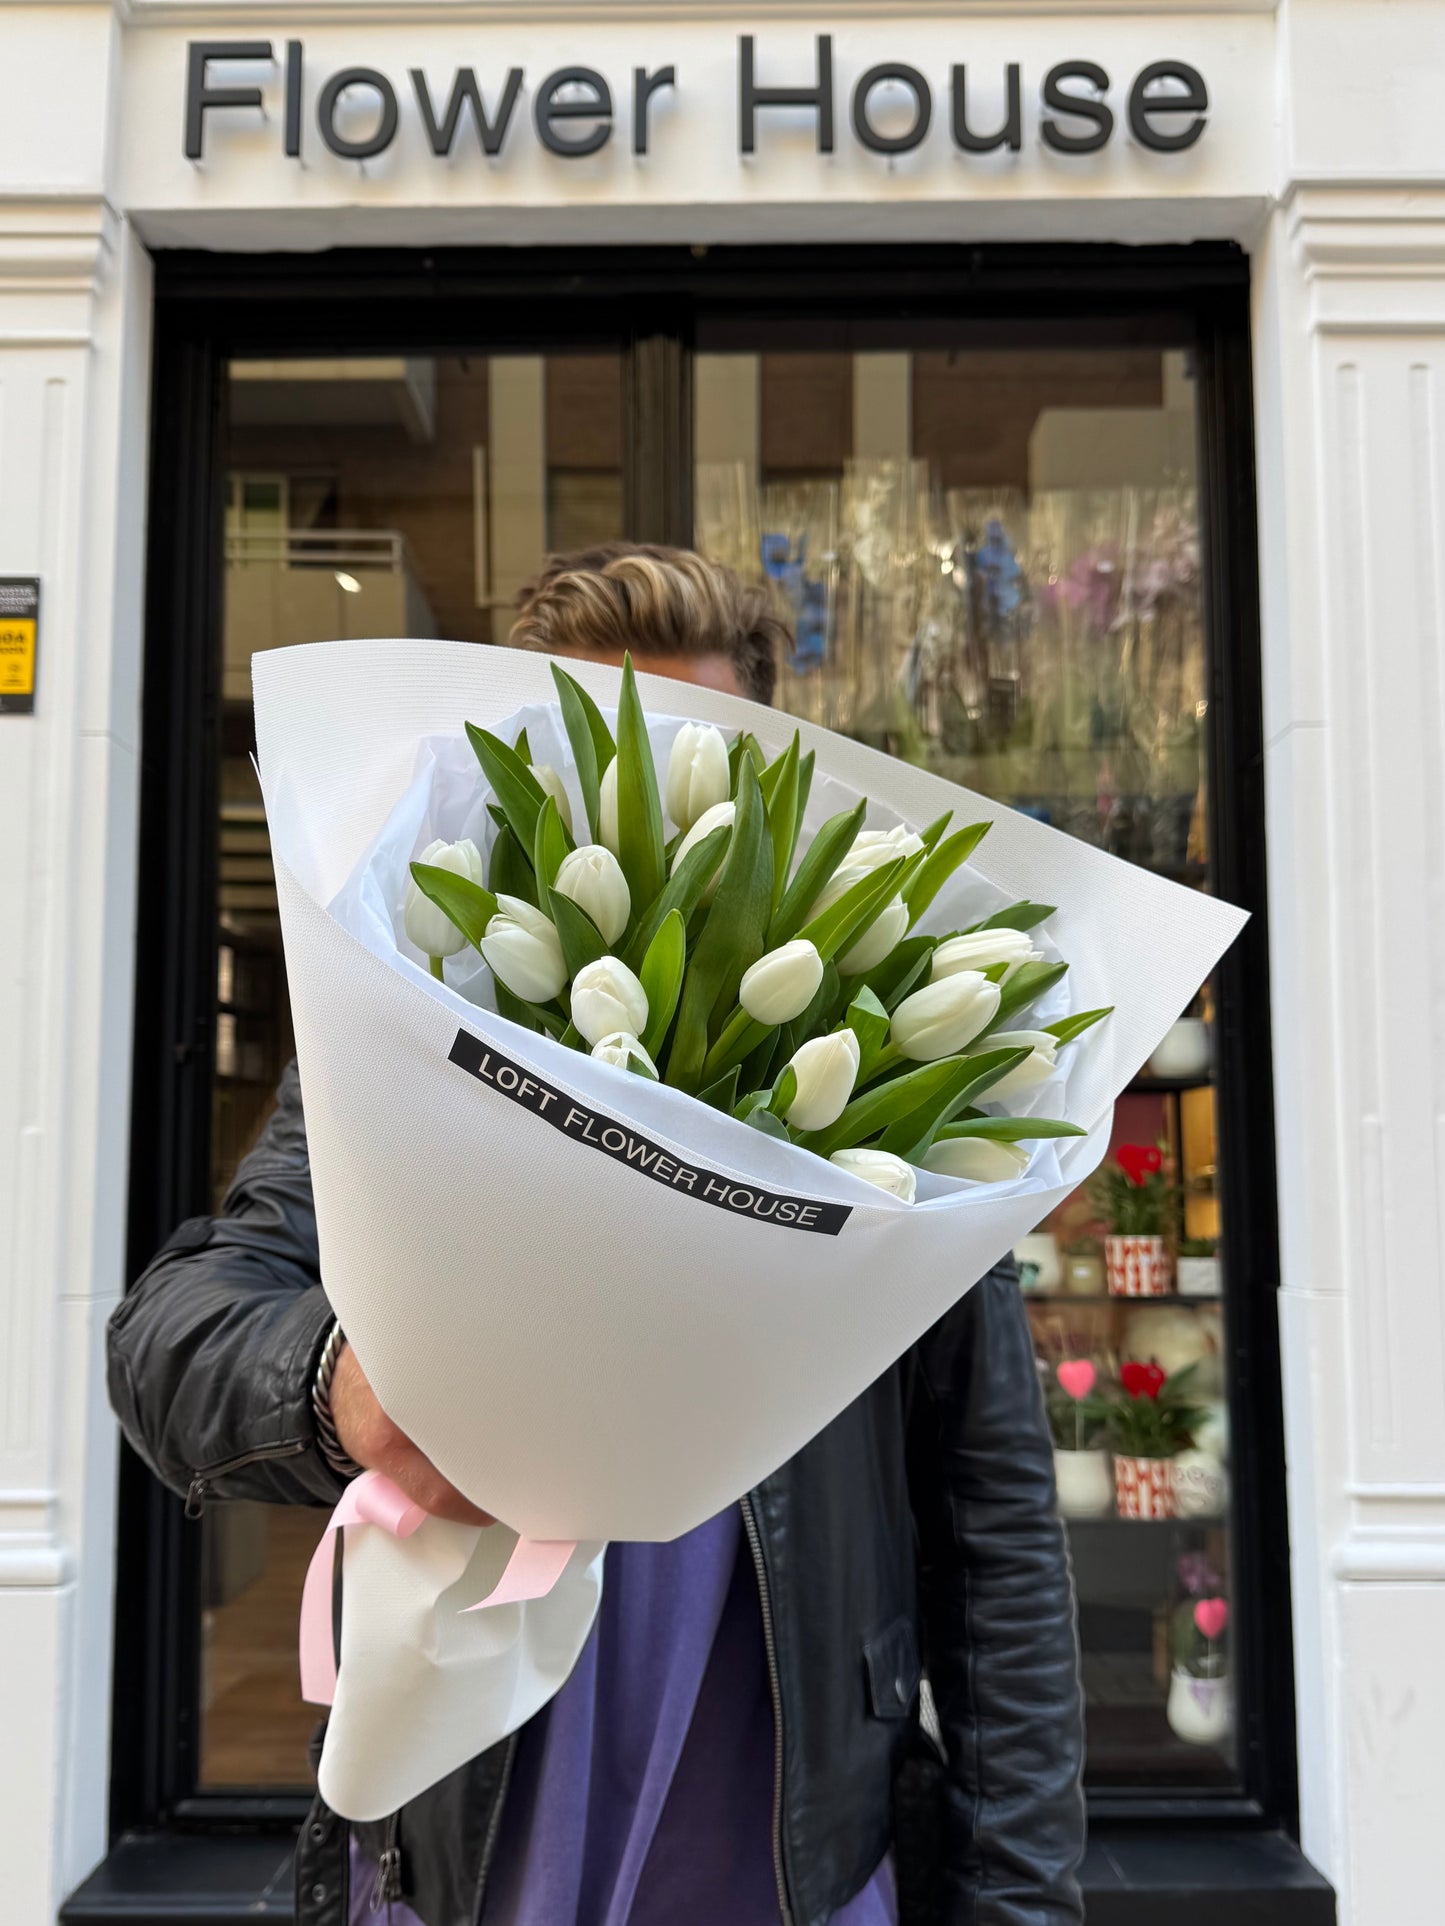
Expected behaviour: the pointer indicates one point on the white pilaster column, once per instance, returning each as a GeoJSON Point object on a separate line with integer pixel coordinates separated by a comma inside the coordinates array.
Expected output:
{"type": "Point", "coordinates": [74, 357]}
{"type": "Point", "coordinates": [1350, 352]}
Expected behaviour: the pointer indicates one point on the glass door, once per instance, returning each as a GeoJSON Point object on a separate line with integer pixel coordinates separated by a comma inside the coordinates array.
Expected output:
{"type": "Point", "coordinates": [1011, 538]}
{"type": "Point", "coordinates": [990, 558]}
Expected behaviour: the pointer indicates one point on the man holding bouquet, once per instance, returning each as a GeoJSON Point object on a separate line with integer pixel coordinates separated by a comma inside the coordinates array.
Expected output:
{"type": "Point", "coordinates": [852, 1698]}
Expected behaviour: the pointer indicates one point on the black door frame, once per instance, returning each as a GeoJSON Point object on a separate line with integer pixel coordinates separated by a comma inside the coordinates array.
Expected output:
{"type": "Point", "coordinates": [649, 303]}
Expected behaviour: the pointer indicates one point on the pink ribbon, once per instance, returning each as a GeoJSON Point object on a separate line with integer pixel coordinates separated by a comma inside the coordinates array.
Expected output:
{"type": "Point", "coordinates": [372, 1499]}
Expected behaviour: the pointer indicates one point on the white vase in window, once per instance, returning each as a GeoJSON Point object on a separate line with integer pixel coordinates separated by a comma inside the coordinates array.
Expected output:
{"type": "Point", "coordinates": [1200, 1711]}
{"type": "Point", "coordinates": [1085, 1483]}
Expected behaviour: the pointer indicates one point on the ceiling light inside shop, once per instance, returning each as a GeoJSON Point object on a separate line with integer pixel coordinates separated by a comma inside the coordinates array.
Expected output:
{"type": "Point", "coordinates": [348, 582]}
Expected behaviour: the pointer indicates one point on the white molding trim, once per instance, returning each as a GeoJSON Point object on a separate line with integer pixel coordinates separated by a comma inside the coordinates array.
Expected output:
{"type": "Point", "coordinates": [314, 13]}
{"type": "Point", "coordinates": [55, 243]}
{"type": "Point", "coordinates": [32, 1555]}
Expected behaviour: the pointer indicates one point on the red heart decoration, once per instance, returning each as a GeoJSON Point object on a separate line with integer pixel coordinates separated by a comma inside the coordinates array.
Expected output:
{"type": "Point", "coordinates": [1138, 1161]}
{"type": "Point", "coordinates": [1211, 1615]}
{"type": "Point", "coordinates": [1142, 1380]}
{"type": "Point", "coordinates": [1077, 1376]}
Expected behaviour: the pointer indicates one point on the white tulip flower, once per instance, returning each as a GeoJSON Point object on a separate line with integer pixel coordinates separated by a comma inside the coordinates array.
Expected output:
{"type": "Point", "coordinates": [551, 784]}
{"type": "Point", "coordinates": [944, 1017]}
{"type": "Point", "coordinates": [720, 816]}
{"type": "Point", "coordinates": [781, 985]}
{"type": "Point", "coordinates": [1035, 1069]}
{"type": "Point", "coordinates": [879, 940]}
{"type": "Point", "coordinates": [607, 809]}
{"type": "Point", "coordinates": [620, 1049]}
{"type": "Point", "coordinates": [872, 848]}
{"type": "Point", "coordinates": [978, 1158]}
{"type": "Point", "coordinates": [697, 773]}
{"type": "Point", "coordinates": [607, 997]}
{"type": "Point", "coordinates": [826, 1069]}
{"type": "Point", "coordinates": [592, 877]}
{"type": "Point", "coordinates": [524, 952]}
{"type": "Point", "coordinates": [433, 933]}
{"type": "Point", "coordinates": [982, 951]}
{"type": "Point", "coordinates": [888, 928]}
{"type": "Point", "coordinates": [879, 1167]}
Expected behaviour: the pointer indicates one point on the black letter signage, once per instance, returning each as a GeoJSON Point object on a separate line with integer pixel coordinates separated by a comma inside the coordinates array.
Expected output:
{"type": "Point", "coordinates": [200, 96]}
{"type": "Point", "coordinates": [1080, 106]}
{"type": "Point", "coordinates": [908, 77]}
{"type": "Point", "coordinates": [751, 96]}
{"type": "Point", "coordinates": [597, 105]}
{"type": "Point", "coordinates": [1142, 105]}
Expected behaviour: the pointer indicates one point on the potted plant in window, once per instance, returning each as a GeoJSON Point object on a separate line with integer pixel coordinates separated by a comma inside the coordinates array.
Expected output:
{"type": "Point", "coordinates": [1150, 1421]}
{"type": "Point", "coordinates": [1136, 1201]}
{"type": "Point", "coordinates": [1198, 1267]}
{"type": "Point", "coordinates": [1084, 1268]}
{"type": "Point", "coordinates": [1078, 1418]}
{"type": "Point", "coordinates": [1200, 1707]}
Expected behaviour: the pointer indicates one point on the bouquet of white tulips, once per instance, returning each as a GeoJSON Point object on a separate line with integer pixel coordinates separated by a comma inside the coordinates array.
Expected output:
{"type": "Point", "coordinates": [781, 985]}
{"type": "Point", "coordinates": [669, 1069]}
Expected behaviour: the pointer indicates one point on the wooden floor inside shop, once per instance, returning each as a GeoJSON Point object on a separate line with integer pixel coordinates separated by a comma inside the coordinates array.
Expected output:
{"type": "Point", "coordinates": [255, 1726]}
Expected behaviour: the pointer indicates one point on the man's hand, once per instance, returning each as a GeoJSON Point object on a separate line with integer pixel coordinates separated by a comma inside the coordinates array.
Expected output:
{"type": "Point", "coordinates": [370, 1437]}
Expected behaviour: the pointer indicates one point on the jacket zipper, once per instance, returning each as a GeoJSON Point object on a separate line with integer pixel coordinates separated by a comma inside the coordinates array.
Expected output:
{"type": "Point", "coordinates": [202, 1480]}
{"type": "Point", "coordinates": [755, 1545]}
{"type": "Point", "coordinates": [387, 1885]}
{"type": "Point", "coordinates": [494, 1826]}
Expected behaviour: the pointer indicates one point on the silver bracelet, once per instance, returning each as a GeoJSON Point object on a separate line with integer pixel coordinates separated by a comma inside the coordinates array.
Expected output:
{"type": "Point", "coordinates": [327, 1440]}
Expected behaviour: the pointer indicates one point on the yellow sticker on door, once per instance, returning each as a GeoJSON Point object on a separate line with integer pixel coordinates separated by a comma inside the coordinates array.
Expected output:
{"type": "Point", "coordinates": [19, 641]}
{"type": "Point", "coordinates": [17, 657]}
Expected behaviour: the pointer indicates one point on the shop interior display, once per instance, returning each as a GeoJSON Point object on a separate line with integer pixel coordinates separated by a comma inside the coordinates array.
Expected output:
{"type": "Point", "coordinates": [972, 597]}
{"type": "Point", "coordinates": [1049, 650]}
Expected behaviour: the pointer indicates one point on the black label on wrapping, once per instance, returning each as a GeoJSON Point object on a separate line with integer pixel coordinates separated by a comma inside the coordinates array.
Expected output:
{"type": "Point", "coordinates": [597, 1131]}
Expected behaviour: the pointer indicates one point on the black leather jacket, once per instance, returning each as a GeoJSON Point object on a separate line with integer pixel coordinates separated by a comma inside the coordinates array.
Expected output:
{"type": "Point", "coordinates": [917, 1532]}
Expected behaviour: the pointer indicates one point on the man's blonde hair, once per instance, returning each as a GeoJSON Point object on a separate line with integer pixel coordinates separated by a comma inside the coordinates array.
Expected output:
{"type": "Point", "coordinates": [653, 601]}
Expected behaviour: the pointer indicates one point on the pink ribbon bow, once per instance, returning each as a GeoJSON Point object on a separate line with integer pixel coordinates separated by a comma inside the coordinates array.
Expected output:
{"type": "Point", "coordinates": [372, 1499]}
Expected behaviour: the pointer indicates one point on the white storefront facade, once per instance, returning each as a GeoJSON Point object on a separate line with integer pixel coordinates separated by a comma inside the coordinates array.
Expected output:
{"type": "Point", "coordinates": [1319, 153]}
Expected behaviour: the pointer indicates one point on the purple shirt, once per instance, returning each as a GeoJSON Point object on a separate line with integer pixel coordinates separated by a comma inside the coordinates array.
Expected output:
{"type": "Point", "coordinates": [643, 1794]}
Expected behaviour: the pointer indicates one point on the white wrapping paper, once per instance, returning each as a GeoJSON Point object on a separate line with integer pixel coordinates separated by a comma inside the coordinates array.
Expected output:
{"type": "Point", "coordinates": [586, 1342]}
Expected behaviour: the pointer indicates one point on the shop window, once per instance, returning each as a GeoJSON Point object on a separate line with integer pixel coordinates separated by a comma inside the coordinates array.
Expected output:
{"type": "Point", "coordinates": [1002, 582]}
{"type": "Point", "coordinates": [1014, 546]}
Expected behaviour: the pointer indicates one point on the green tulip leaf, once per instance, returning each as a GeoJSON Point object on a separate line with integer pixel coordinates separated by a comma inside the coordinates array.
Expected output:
{"type": "Point", "coordinates": [639, 808]}
{"type": "Point", "coordinates": [549, 846]}
{"type": "Point", "coordinates": [855, 911]}
{"type": "Point", "coordinates": [511, 871]}
{"type": "Point", "coordinates": [1018, 916]}
{"type": "Point", "coordinates": [869, 1022]}
{"type": "Point", "coordinates": [1069, 1027]}
{"type": "Point", "coordinates": [465, 904]}
{"type": "Point", "coordinates": [591, 740]}
{"type": "Point", "coordinates": [815, 872]}
{"type": "Point", "coordinates": [523, 748]}
{"type": "Point", "coordinates": [900, 971]}
{"type": "Point", "coordinates": [910, 1134]}
{"type": "Point", "coordinates": [930, 1086]}
{"type": "Point", "coordinates": [784, 1091]}
{"type": "Point", "coordinates": [779, 786]}
{"type": "Point", "coordinates": [1025, 986]}
{"type": "Point", "coordinates": [935, 829]}
{"type": "Point", "coordinates": [771, 1126]}
{"type": "Point", "coordinates": [739, 1036]}
{"type": "Point", "coordinates": [723, 1094]}
{"type": "Point", "coordinates": [682, 892]}
{"type": "Point", "coordinates": [744, 740]}
{"type": "Point", "coordinates": [732, 936]}
{"type": "Point", "coordinates": [661, 976]}
{"type": "Point", "coordinates": [580, 937]}
{"type": "Point", "coordinates": [938, 865]}
{"type": "Point", "coordinates": [498, 815]}
{"type": "Point", "coordinates": [1010, 1130]}
{"type": "Point", "coordinates": [514, 787]}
